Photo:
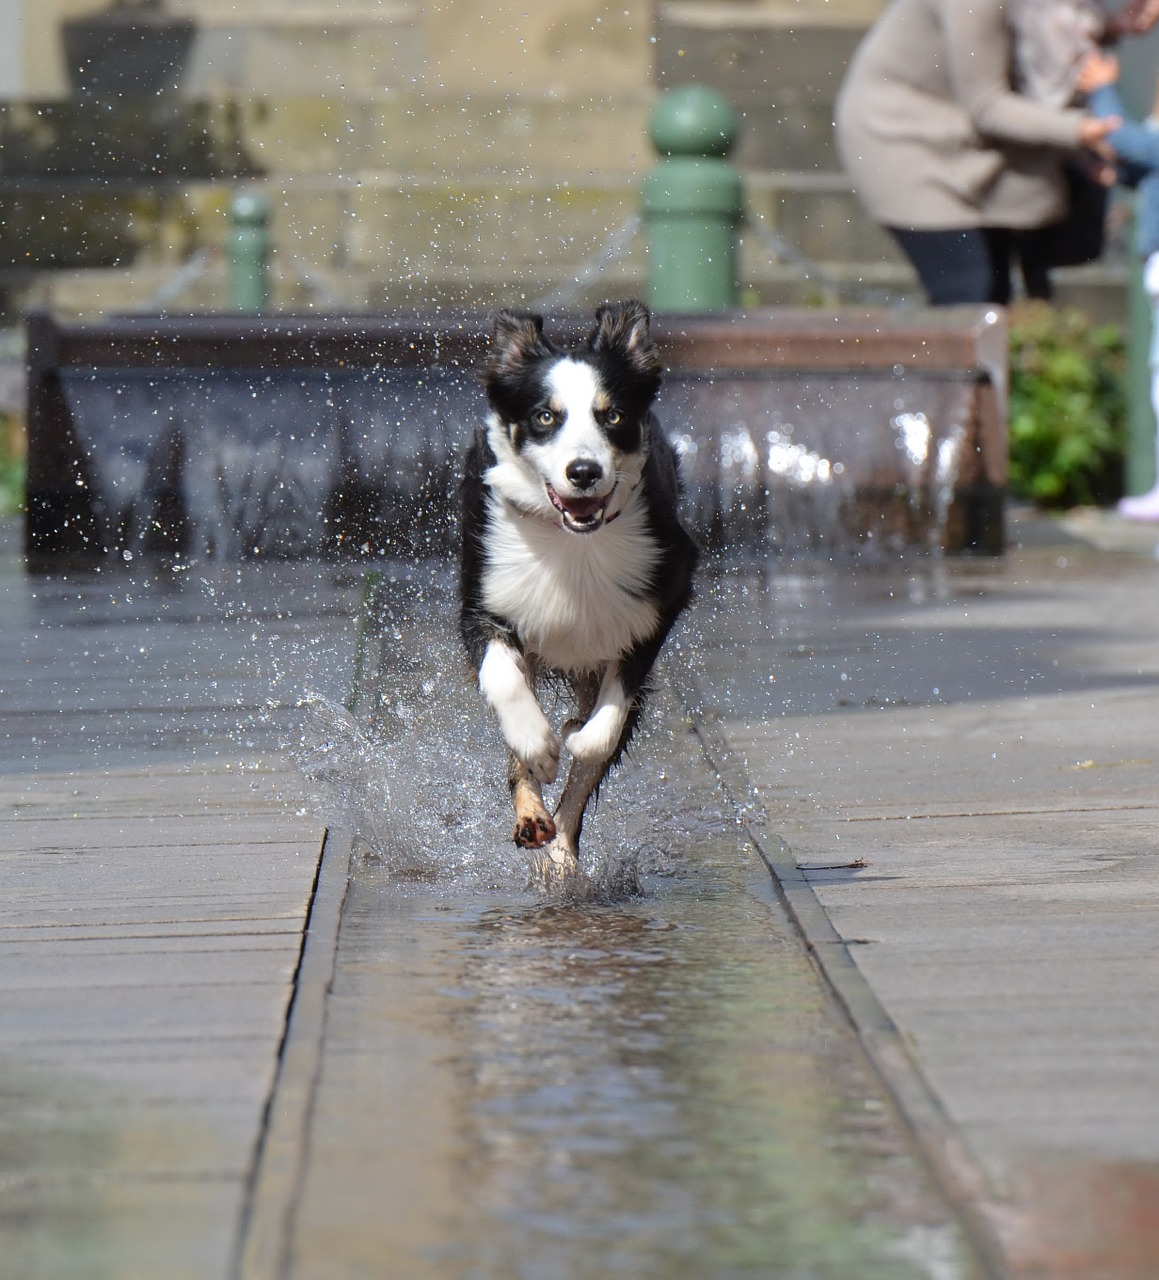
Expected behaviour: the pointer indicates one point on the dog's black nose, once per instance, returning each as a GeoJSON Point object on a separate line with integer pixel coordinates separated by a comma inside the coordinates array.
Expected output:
{"type": "Point", "coordinates": [584, 473]}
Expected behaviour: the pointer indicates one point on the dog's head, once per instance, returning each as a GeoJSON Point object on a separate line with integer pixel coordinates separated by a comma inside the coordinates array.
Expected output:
{"type": "Point", "coordinates": [570, 429]}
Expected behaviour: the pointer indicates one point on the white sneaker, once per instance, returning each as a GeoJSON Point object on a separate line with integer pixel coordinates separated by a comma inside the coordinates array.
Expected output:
{"type": "Point", "coordinates": [1143, 507]}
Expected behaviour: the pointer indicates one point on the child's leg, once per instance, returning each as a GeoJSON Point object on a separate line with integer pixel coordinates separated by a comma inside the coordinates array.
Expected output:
{"type": "Point", "coordinates": [1151, 288]}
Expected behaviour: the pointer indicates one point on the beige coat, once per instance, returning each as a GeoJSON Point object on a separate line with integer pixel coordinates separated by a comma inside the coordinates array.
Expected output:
{"type": "Point", "coordinates": [931, 131]}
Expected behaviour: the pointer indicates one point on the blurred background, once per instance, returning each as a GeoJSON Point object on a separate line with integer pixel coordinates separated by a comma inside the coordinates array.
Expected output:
{"type": "Point", "coordinates": [414, 154]}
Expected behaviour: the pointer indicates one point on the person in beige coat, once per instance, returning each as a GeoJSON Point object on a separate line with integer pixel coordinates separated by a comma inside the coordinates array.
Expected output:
{"type": "Point", "coordinates": [945, 153]}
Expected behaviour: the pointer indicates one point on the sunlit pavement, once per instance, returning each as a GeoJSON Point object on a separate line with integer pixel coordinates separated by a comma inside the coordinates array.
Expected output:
{"type": "Point", "coordinates": [954, 772]}
{"type": "Point", "coordinates": [157, 867]}
{"type": "Point", "coordinates": [958, 775]}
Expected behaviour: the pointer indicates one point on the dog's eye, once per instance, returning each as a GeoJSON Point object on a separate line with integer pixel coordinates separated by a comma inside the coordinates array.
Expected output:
{"type": "Point", "coordinates": [544, 418]}
{"type": "Point", "coordinates": [613, 417]}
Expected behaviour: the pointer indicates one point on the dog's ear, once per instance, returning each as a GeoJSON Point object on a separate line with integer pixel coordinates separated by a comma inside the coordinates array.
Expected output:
{"type": "Point", "coordinates": [623, 327]}
{"type": "Point", "coordinates": [516, 336]}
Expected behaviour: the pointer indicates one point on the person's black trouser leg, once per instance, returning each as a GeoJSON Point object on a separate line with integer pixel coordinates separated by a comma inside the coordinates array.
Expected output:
{"type": "Point", "coordinates": [960, 266]}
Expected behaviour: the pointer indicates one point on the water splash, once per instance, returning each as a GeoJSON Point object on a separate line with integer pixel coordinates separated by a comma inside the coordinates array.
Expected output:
{"type": "Point", "coordinates": [412, 766]}
{"type": "Point", "coordinates": [410, 815]}
{"type": "Point", "coordinates": [422, 810]}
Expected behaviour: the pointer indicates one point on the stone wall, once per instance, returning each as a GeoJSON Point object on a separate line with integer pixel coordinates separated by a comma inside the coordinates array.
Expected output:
{"type": "Point", "coordinates": [411, 153]}
{"type": "Point", "coordinates": [441, 152]}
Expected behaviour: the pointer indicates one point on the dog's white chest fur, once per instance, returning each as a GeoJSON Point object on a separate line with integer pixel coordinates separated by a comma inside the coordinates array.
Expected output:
{"type": "Point", "coordinates": [577, 601]}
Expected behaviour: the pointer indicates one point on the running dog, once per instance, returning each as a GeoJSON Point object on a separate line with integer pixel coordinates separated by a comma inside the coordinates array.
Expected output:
{"type": "Point", "coordinates": [575, 565]}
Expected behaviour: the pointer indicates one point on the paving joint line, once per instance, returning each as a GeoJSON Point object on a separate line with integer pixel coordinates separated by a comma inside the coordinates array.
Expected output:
{"type": "Point", "coordinates": [1045, 811]}
{"type": "Point", "coordinates": [951, 1163]}
{"type": "Point", "coordinates": [263, 1239]}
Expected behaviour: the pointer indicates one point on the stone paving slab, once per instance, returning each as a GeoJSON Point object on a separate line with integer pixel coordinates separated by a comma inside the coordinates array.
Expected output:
{"type": "Point", "coordinates": [134, 1229]}
{"type": "Point", "coordinates": [147, 955]}
{"type": "Point", "coordinates": [990, 865]}
{"type": "Point", "coordinates": [156, 869]}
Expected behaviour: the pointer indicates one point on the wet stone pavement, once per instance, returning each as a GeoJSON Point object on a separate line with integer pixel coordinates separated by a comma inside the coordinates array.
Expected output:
{"type": "Point", "coordinates": [955, 777]}
{"type": "Point", "coordinates": [442, 1074]}
{"type": "Point", "coordinates": [157, 865]}
{"type": "Point", "coordinates": [235, 1045]}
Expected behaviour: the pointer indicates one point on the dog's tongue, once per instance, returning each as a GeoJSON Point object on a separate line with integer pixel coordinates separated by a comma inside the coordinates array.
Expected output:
{"type": "Point", "coordinates": [580, 515]}
{"type": "Point", "coordinates": [582, 508]}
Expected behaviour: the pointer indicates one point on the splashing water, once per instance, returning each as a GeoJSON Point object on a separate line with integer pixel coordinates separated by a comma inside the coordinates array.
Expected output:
{"type": "Point", "coordinates": [409, 814]}
{"type": "Point", "coordinates": [428, 814]}
{"type": "Point", "coordinates": [412, 767]}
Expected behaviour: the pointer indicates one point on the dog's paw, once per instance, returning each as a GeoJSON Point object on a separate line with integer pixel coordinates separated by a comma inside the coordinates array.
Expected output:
{"type": "Point", "coordinates": [593, 742]}
{"type": "Point", "coordinates": [597, 739]}
{"type": "Point", "coordinates": [533, 830]}
{"type": "Point", "coordinates": [538, 747]}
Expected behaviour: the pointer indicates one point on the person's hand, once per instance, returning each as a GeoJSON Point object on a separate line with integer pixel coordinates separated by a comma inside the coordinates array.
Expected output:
{"type": "Point", "coordinates": [1099, 170]}
{"type": "Point", "coordinates": [1096, 71]}
{"type": "Point", "coordinates": [1137, 16]}
{"type": "Point", "coordinates": [1093, 133]}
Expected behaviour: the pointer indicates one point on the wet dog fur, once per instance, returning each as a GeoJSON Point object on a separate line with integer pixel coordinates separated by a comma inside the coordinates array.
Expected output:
{"type": "Point", "coordinates": [575, 565]}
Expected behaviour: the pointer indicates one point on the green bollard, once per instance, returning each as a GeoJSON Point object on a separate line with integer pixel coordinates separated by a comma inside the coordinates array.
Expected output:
{"type": "Point", "coordinates": [248, 250]}
{"type": "Point", "coordinates": [692, 203]}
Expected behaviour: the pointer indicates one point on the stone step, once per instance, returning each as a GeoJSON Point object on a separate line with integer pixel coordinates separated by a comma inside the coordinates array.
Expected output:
{"type": "Point", "coordinates": [301, 286]}
{"type": "Point", "coordinates": [389, 239]}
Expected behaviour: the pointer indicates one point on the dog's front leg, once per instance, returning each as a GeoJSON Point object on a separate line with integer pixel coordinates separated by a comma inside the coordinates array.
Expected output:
{"type": "Point", "coordinates": [534, 826]}
{"type": "Point", "coordinates": [506, 682]}
{"type": "Point", "coordinates": [595, 739]}
{"type": "Point", "coordinates": [582, 779]}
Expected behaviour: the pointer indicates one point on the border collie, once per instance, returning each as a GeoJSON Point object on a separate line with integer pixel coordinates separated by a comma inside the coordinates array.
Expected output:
{"type": "Point", "coordinates": [575, 564]}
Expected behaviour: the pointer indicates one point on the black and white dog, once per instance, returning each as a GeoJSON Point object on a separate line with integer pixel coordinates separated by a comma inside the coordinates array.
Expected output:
{"type": "Point", "coordinates": [574, 562]}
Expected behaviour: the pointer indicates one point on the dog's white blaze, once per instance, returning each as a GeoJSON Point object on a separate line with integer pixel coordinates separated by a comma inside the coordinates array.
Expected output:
{"type": "Point", "coordinates": [575, 389]}
{"type": "Point", "coordinates": [585, 607]}
{"type": "Point", "coordinates": [504, 684]}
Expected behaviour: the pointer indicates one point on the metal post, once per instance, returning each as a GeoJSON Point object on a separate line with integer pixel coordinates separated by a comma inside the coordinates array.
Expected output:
{"type": "Point", "coordinates": [692, 203]}
{"type": "Point", "coordinates": [249, 253]}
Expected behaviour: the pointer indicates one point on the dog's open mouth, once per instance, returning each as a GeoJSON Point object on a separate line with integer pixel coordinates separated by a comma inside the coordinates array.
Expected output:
{"type": "Point", "coordinates": [580, 515]}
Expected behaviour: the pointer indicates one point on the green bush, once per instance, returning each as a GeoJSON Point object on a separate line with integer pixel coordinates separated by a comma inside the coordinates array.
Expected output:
{"type": "Point", "coordinates": [1068, 407]}
{"type": "Point", "coordinates": [11, 467]}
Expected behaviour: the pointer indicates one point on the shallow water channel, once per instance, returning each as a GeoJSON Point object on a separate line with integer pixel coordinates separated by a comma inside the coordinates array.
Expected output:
{"type": "Point", "coordinates": [656, 1088]}
{"type": "Point", "coordinates": [647, 1084]}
